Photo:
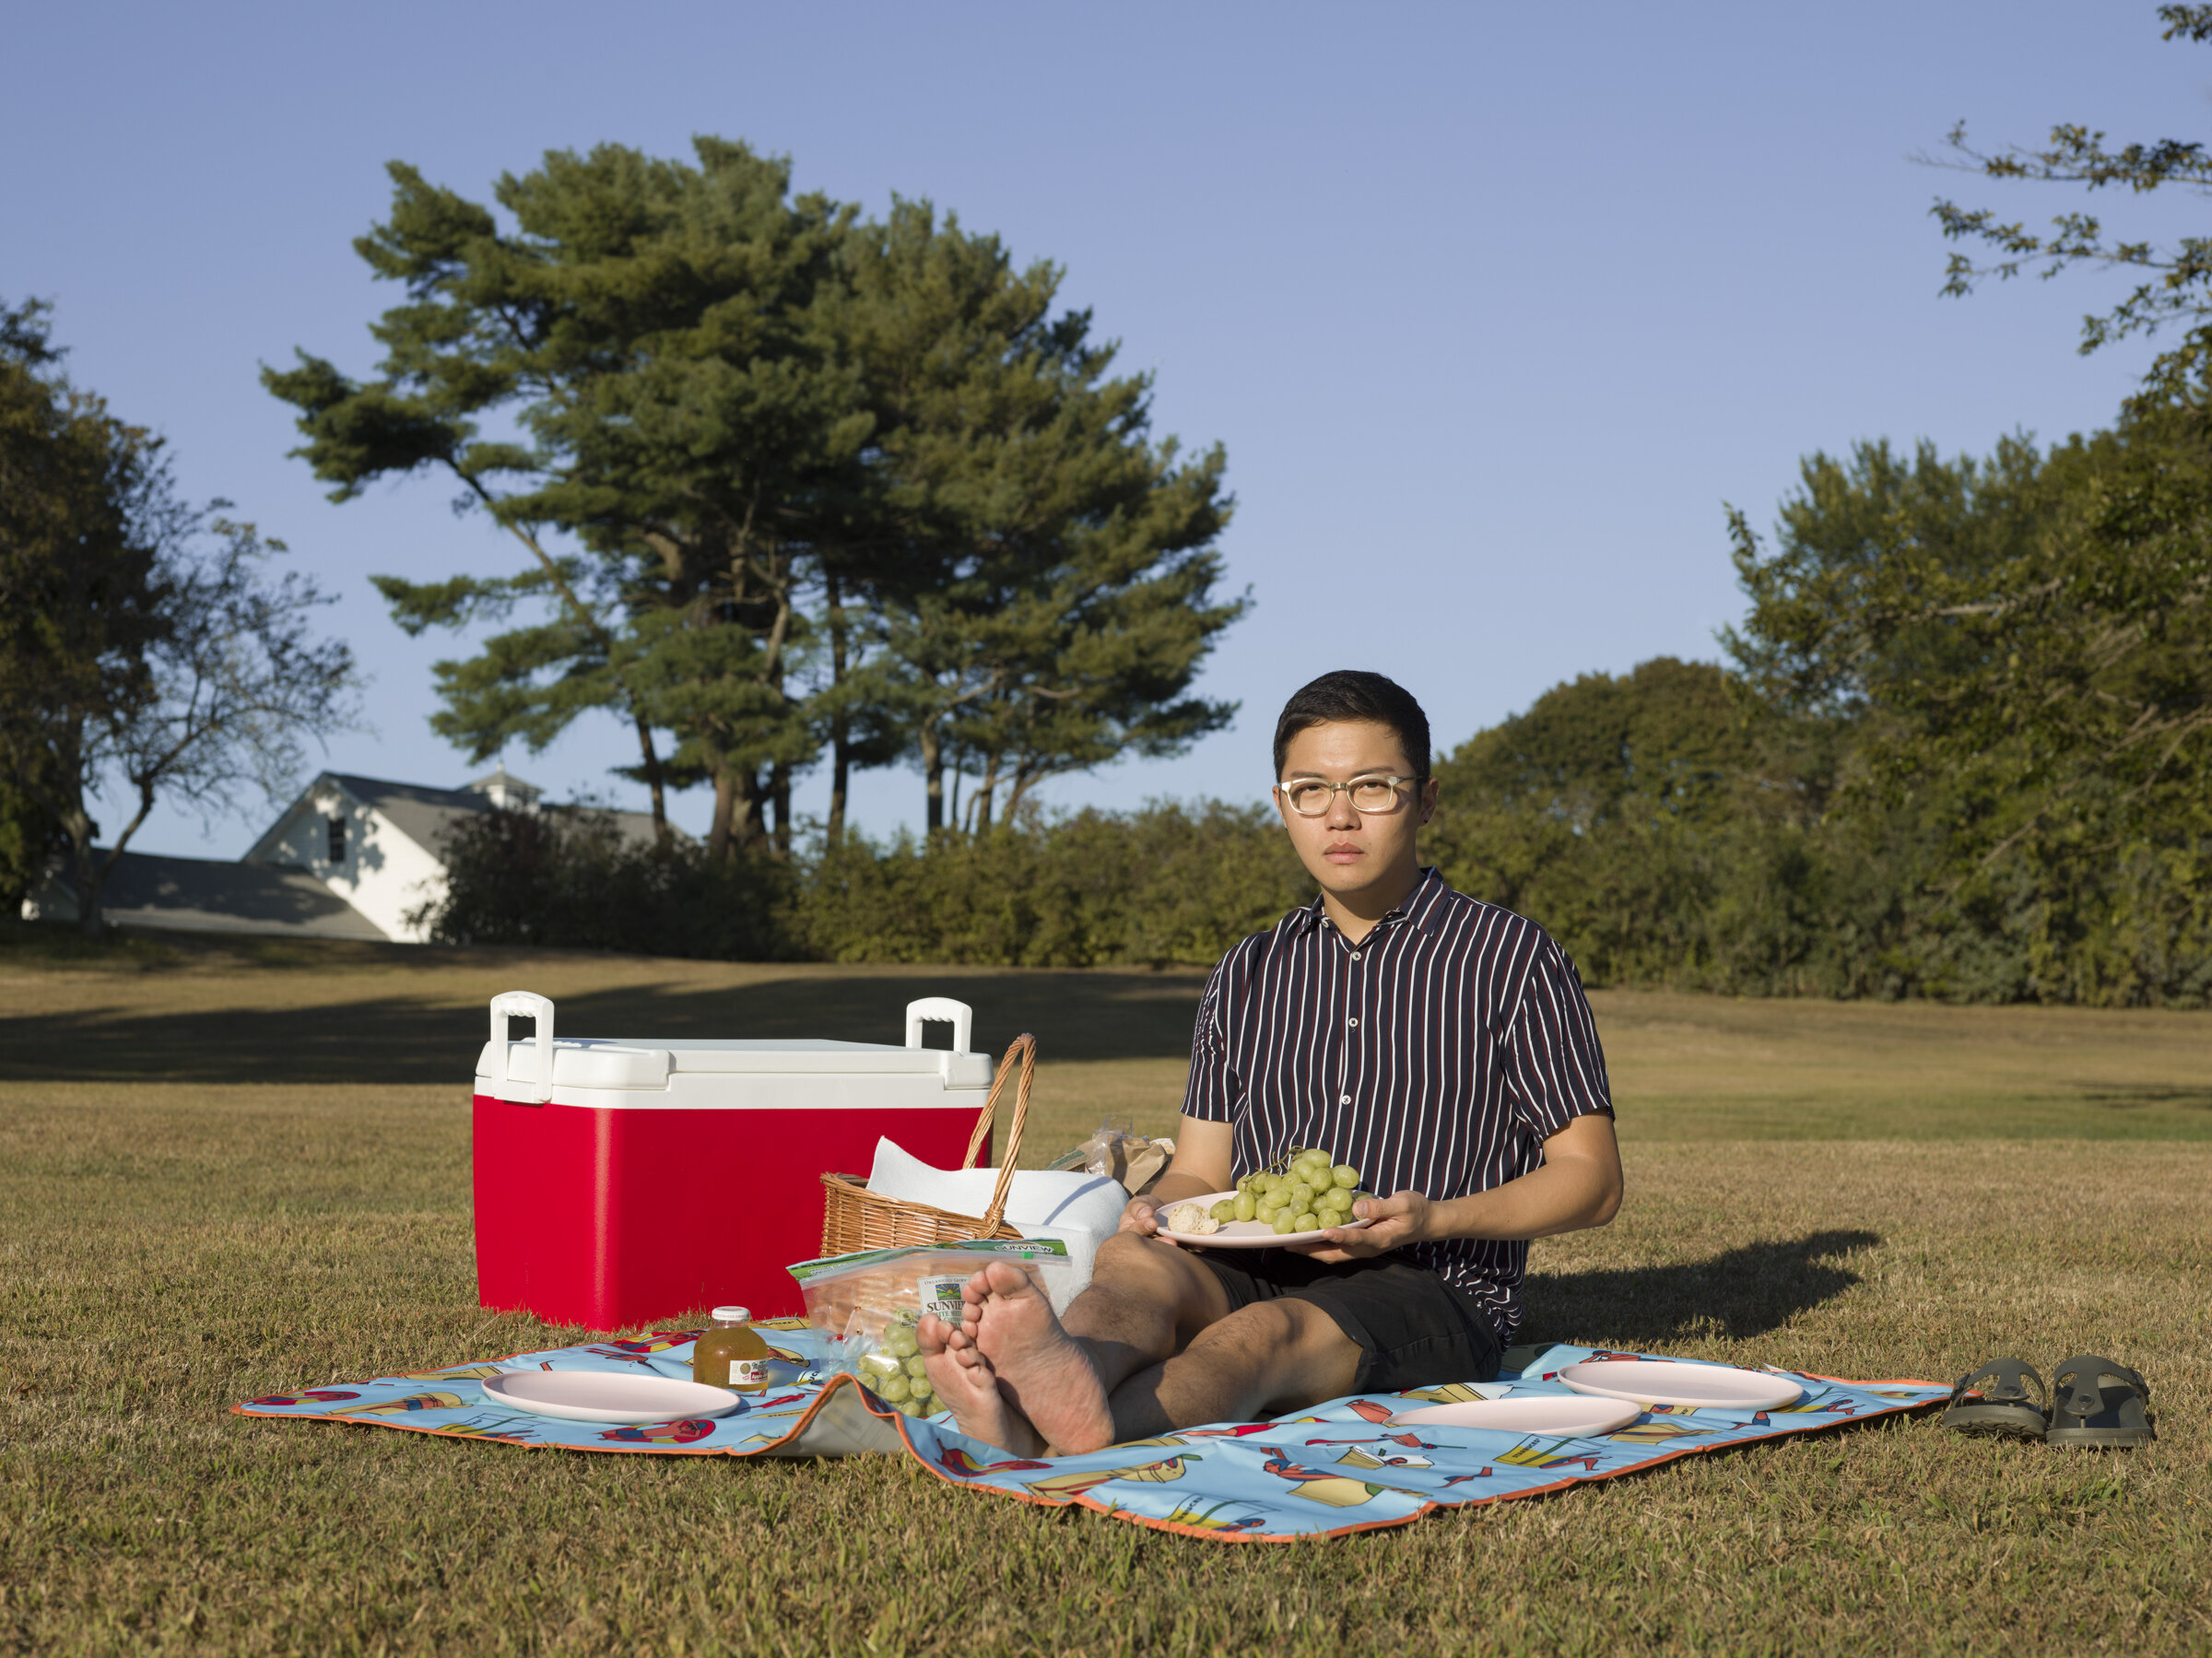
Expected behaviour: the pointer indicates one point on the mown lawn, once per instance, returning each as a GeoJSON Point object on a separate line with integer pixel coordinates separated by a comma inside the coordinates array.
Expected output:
{"type": "Point", "coordinates": [226, 1170]}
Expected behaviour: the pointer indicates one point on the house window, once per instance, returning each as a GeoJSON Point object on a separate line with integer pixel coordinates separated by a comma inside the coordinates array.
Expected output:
{"type": "Point", "coordinates": [337, 840]}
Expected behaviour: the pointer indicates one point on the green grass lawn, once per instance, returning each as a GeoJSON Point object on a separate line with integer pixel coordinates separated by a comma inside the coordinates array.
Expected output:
{"type": "Point", "coordinates": [226, 1170]}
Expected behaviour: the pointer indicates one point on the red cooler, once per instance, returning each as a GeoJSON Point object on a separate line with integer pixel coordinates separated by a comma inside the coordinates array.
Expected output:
{"type": "Point", "coordinates": [619, 1181]}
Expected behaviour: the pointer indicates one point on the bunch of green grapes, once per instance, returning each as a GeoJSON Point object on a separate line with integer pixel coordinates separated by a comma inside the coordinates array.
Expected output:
{"type": "Point", "coordinates": [1305, 1194]}
{"type": "Point", "coordinates": [893, 1371]}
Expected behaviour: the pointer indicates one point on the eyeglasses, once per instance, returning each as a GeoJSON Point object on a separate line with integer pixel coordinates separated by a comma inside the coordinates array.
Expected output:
{"type": "Point", "coordinates": [1310, 798]}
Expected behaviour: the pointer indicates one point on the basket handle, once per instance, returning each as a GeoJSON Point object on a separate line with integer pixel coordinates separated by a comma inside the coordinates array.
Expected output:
{"type": "Point", "coordinates": [1024, 1049]}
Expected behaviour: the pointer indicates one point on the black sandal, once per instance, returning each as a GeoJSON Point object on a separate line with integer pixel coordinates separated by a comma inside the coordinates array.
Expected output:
{"type": "Point", "coordinates": [2087, 1412]}
{"type": "Point", "coordinates": [2004, 1405]}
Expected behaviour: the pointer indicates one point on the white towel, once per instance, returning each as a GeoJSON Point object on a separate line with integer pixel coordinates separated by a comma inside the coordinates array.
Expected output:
{"type": "Point", "coordinates": [1082, 1256]}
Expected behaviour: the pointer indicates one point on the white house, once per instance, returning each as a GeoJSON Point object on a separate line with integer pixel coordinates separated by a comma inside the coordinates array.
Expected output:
{"type": "Point", "coordinates": [375, 848]}
{"type": "Point", "coordinates": [380, 845]}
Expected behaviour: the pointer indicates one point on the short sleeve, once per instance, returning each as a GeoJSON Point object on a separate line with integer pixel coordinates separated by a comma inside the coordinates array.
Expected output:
{"type": "Point", "coordinates": [1556, 1068]}
{"type": "Point", "coordinates": [1215, 1091]}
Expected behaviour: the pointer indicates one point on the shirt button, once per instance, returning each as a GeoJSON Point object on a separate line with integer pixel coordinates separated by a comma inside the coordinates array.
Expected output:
{"type": "Point", "coordinates": [1344, 1099]}
{"type": "Point", "coordinates": [1355, 955]}
{"type": "Point", "coordinates": [1353, 1023]}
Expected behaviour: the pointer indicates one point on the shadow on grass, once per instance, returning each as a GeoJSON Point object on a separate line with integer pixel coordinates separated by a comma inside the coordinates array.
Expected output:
{"type": "Point", "coordinates": [2136, 1096]}
{"type": "Point", "coordinates": [1744, 1292]}
{"type": "Point", "coordinates": [1074, 1015]}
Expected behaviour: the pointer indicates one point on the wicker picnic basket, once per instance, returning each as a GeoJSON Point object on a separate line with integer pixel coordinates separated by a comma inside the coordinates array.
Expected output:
{"type": "Point", "coordinates": [856, 1219]}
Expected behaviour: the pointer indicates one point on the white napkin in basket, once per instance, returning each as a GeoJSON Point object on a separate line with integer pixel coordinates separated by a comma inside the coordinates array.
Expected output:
{"type": "Point", "coordinates": [1081, 1210]}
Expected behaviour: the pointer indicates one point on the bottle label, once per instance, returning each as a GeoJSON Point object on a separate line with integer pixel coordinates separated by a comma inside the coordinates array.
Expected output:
{"type": "Point", "coordinates": [748, 1372]}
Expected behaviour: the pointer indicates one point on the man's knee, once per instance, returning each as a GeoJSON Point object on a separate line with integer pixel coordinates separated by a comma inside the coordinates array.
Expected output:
{"type": "Point", "coordinates": [1133, 1266]}
{"type": "Point", "coordinates": [1131, 1257]}
{"type": "Point", "coordinates": [1280, 1328]}
{"type": "Point", "coordinates": [1289, 1352]}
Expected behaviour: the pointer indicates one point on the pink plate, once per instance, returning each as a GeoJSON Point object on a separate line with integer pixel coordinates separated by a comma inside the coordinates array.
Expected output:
{"type": "Point", "coordinates": [1243, 1234]}
{"type": "Point", "coordinates": [596, 1397]}
{"type": "Point", "coordinates": [1527, 1413]}
{"type": "Point", "coordinates": [1707, 1386]}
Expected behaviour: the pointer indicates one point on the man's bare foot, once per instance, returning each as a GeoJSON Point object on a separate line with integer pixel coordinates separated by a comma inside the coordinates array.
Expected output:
{"type": "Point", "coordinates": [1042, 1369]}
{"type": "Point", "coordinates": [965, 1385]}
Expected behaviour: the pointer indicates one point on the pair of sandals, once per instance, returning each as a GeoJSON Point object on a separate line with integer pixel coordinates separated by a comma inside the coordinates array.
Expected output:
{"type": "Point", "coordinates": [2092, 1400]}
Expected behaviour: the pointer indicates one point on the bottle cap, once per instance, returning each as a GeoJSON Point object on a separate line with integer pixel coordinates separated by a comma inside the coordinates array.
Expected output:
{"type": "Point", "coordinates": [733, 1315]}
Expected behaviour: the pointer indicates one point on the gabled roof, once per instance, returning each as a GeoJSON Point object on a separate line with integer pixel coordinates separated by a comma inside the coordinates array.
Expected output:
{"type": "Point", "coordinates": [425, 814]}
{"type": "Point", "coordinates": [499, 786]}
{"type": "Point", "coordinates": [203, 895]}
{"type": "Point", "coordinates": [422, 814]}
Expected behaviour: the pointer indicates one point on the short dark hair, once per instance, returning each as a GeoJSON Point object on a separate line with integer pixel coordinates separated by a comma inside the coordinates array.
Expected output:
{"type": "Point", "coordinates": [1355, 694]}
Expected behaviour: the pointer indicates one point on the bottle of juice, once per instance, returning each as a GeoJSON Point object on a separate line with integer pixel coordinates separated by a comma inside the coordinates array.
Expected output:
{"type": "Point", "coordinates": [732, 1354]}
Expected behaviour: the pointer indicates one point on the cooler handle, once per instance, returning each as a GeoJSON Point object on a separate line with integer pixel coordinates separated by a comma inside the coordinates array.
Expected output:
{"type": "Point", "coordinates": [941, 1010]}
{"type": "Point", "coordinates": [505, 1006]}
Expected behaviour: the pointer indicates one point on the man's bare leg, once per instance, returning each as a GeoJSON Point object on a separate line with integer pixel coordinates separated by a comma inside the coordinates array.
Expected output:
{"type": "Point", "coordinates": [1260, 1361]}
{"type": "Point", "coordinates": [1146, 1302]}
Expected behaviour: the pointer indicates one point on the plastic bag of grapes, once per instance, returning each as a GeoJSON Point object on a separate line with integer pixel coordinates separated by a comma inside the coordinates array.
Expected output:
{"type": "Point", "coordinates": [886, 1359]}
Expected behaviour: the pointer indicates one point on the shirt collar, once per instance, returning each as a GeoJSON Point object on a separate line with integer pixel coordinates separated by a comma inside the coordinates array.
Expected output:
{"type": "Point", "coordinates": [1424, 904]}
{"type": "Point", "coordinates": [1418, 908]}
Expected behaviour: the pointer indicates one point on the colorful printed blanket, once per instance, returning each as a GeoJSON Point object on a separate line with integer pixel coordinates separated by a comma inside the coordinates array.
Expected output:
{"type": "Point", "coordinates": [1328, 1471]}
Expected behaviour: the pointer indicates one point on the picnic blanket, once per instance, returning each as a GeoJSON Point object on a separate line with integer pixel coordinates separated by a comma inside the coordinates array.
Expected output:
{"type": "Point", "coordinates": [1326, 1472]}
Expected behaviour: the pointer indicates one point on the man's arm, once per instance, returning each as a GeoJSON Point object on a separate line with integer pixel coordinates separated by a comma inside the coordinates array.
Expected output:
{"type": "Point", "coordinates": [1578, 1186]}
{"type": "Point", "coordinates": [1204, 1159]}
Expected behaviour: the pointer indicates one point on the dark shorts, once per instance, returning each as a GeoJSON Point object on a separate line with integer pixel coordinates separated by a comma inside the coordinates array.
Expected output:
{"type": "Point", "coordinates": [1414, 1330]}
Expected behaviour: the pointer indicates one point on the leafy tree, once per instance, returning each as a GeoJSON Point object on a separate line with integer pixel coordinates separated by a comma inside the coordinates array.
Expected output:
{"type": "Point", "coordinates": [2179, 290]}
{"type": "Point", "coordinates": [140, 641]}
{"type": "Point", "coordinates": [1040, 572]}
{"type": "Point", "coordinates": [2001, 665]}
{"type": "Point", "coordinates": [1814, 644]}
{"type": "Point", "coordinates": [30, 837]}
{"type": "Point", "coordinates": [1595, 811]}
{"type": "Point", "coordinates": [648, 328]}
{"type": "Point", "coordinates": [52, 461]}
{"type": "Point", "coordinates": [1093, 646]}
{"type": "Point", "coordinates": [1664, 741]}
{"type": "Point", "coordinates": [791, 484]}
{"type": "Point", "coordinates": [2056, 676]}
{"type": "Point", "coordinates": [956, 353]}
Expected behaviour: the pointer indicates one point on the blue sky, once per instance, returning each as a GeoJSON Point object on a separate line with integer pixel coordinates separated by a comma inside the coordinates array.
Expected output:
{"type": "Point", "coordinates": [1493, 306]}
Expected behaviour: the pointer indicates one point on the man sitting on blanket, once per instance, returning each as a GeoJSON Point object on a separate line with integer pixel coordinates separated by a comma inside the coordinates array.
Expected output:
{"type": "Point", "coordinates": [1441, 1045]}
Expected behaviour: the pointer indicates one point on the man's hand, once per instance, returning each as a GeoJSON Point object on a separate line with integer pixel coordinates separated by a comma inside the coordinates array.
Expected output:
{"type": "Point", "coordinates": [1141, 1215]}
{"type": "Point", "coordinates": [1393, 1222]}
{"type": "Point", "coordinates": [1201, 1167]}
{"type": "Point", "coordinates": [1578, 1186]}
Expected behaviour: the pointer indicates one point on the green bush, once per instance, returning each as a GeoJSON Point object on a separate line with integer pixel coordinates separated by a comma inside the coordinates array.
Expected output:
{"type": "Point", "coordinates": [1669, 836]}
{"type": "Point", "coordinates": [1165, 884]}
{"type": "Point", "coordinates": [569, 879]}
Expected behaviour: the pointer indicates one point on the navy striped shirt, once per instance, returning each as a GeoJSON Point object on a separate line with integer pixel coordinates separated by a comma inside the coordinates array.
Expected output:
{"type": "Point", "coordinates": [1437, 1054]}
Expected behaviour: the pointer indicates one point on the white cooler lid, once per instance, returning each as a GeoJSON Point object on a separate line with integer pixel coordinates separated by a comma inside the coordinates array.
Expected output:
{"type": "Point", "coordinates": [592, 1063]}
{"type": "Point", "coordinates": [647, 1063]}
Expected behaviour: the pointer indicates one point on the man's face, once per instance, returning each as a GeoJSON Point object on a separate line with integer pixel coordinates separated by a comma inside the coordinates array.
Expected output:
{"type": "Point", "coordinates": [1345, 850]}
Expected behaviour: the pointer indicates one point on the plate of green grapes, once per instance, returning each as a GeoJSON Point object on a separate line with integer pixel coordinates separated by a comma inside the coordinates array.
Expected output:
{"type": "Point", "coordinates": [1296, 1201]}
